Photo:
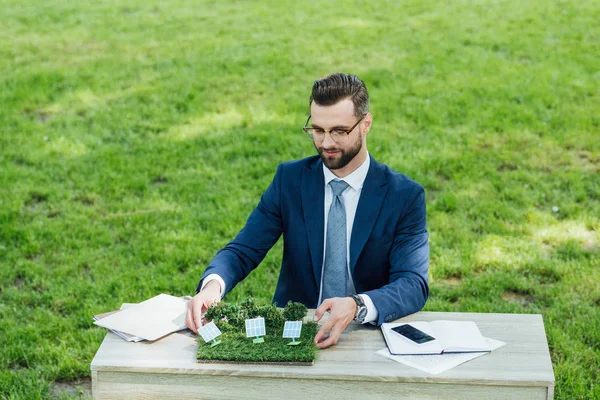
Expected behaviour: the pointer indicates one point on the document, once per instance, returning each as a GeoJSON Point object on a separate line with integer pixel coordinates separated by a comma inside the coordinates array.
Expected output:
{"type": "Point", "coordinates": [151, 319]}
{"type": "Point", "coordinates": [450, 337]}
{"type": "Point", "coordinates": [437, 363]}
{"type": "Point", "coordinates": [126, 336]}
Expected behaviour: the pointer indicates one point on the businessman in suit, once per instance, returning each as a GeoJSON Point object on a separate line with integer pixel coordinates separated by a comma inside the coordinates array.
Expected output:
{"type": "Point", "coordinates": [355, 239]}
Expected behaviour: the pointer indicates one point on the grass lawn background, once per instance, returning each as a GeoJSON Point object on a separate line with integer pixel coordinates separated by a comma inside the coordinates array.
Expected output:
{"type": "Point", "coordinates": [135, 139]}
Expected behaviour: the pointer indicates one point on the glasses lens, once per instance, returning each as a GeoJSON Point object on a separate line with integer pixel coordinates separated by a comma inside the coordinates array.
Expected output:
{"type": "Point", "coordinates": [316, 134]}
{"type": "Point", "coordinates": [338, 135]}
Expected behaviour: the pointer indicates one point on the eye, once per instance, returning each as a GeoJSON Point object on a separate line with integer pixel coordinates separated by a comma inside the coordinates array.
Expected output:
{"type": "Point", "coordinates": [318, 131]}
{"type": "Point", "coordinates": [338, 132]}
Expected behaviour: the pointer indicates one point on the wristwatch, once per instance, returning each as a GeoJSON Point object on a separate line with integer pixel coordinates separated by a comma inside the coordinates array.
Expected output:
{"type": "Point", "coordinates": [361, 310]}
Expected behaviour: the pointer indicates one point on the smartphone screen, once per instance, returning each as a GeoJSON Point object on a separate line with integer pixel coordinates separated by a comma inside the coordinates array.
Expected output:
{"type": "Point", "coordinates": [412, 333]}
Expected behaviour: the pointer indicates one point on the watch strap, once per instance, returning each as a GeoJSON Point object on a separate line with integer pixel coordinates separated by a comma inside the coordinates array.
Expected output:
{"type": "Point", "coordinates": [361, 310]}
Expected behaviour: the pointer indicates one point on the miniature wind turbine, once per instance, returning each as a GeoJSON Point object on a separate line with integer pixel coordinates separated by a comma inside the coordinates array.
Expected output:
{"type": "Point", "coordinates": [291, 330]}
{"type": "Point", "coordinates": [256, 327]}
{"type": "Point", "coordinates": [209, 332]}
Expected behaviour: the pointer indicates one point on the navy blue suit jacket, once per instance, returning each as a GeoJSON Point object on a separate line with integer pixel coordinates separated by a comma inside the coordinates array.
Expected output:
{"type": "Point", "coordinates": [389, 249]}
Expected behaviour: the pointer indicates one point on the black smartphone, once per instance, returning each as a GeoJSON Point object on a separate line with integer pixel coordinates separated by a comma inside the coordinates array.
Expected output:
{"type": "Point", "coordinates": [412, 333]}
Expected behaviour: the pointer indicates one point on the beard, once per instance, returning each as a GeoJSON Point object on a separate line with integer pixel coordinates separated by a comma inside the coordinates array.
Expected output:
{"type": "Point", "coordinates": [343, 158]}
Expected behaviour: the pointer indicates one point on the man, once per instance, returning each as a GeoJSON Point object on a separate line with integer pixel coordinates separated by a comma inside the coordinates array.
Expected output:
{"type": "Point", "coordinates": [355, 240]}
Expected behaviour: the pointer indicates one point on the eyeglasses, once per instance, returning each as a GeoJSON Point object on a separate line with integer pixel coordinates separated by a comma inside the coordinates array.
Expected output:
{"type": "Point", "coordinates": [337, 134]}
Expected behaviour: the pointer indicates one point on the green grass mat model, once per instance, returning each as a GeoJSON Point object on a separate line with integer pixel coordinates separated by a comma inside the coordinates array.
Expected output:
{"type": "Point", "coordinates": [234, 346]}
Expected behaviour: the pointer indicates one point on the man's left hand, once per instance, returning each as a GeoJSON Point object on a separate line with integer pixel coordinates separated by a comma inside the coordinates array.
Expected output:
{"type": "Point", "coordinates": [342, 311]}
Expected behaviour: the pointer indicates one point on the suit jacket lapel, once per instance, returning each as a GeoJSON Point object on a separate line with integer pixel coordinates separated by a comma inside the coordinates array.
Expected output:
{"type": "Point", "coordinates": [369, 205]}
{"type": "Point", "coordinates": [313, 203]}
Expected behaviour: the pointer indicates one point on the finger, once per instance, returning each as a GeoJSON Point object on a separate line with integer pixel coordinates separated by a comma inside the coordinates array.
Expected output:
{"type": "Point", "coordinates": [197, 315]}
{"type": "Point", "coordinates": [336, 332]}
{"type": "Point", "coordinates": [324, 329]}
{"type": "Point", "coordinates": [330, 341]}
{"type": "Point", "coordinates": [206, 304]}
{"type": "Point", "coordinates": [189, 318]}
{"type": "Point", "coordinates": [334, 335]}
{"type": "Point", "coordinates": [326, 305]}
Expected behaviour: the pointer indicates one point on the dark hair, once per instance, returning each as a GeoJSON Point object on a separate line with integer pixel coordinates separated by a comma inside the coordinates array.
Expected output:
{"type": "Point", "coordinates": [337, 87]}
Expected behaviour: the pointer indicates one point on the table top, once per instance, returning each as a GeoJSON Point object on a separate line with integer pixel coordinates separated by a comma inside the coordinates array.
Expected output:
{"type": "Point", "coordinates": [524, 361]}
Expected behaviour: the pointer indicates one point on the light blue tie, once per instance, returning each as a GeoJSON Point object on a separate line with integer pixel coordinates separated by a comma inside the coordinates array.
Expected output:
{"type": "Point", "coordinates": [334, 273]}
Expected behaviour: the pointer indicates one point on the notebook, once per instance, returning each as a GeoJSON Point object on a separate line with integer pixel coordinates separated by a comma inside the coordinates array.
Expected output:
{"type": "Point", "coordinates": [450, 337]}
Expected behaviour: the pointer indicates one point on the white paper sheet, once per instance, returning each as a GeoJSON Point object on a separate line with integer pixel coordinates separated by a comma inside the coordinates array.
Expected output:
{"type": "Point", "coordinates": [122, 335]}
{"type": "Point", "coordinates": [151, 319]}
{"type": "Point", "coordinates": [438, 363]}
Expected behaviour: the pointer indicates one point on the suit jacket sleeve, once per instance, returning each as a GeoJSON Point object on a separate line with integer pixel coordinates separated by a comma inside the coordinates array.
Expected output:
{"type": "Point", "coordinates": [263, 228]}
{"type": "Point", "coordinates": [407, 290]}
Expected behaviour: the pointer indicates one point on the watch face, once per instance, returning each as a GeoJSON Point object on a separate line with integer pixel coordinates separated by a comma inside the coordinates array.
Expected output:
{"type": "Point", "coordinates": [362, 309]}
{"type": "Point", "coordinates": [362, 313]}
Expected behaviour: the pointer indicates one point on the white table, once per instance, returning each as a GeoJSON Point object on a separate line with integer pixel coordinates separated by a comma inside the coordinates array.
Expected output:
{"type": "Point", "coordinates": [167, 368]}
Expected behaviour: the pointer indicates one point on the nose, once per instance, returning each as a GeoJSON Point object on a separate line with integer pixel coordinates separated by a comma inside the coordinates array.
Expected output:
{"type": "Point", "coordinates": [328, 141]}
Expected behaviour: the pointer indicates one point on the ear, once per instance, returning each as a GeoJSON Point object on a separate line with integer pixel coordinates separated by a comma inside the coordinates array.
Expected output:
{"type": "Point", "coordinates": [366, 123]}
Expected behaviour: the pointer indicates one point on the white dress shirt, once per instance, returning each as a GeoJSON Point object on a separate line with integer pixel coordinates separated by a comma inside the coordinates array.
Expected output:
{"type": "Point", "coordinates": [350, 197]}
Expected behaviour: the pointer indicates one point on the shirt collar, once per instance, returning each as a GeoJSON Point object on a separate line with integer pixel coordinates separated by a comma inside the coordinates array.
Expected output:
{"type": "Point", "coordinates": [356, 179]}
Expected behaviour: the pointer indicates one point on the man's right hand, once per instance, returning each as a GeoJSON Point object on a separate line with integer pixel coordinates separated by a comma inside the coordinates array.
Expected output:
{"type": "Point", "coordinates": [197, 306]}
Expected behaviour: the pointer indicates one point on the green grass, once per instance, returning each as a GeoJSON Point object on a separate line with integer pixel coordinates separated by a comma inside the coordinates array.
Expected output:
{"type": "Point", "coordinates": [135, 140]}
{"type": "Point", "coordinates": [236, 346]}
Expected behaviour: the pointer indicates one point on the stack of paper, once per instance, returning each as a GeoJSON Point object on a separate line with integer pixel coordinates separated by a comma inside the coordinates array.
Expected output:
{"type": "Point", "coordinates": [450, 343]}
{"type": "Point", "coordinates": [123, 335]}
{"type": "Point", "coordinates": [437, 363]}
{"type": "Point", "coordinates": [149, 320]}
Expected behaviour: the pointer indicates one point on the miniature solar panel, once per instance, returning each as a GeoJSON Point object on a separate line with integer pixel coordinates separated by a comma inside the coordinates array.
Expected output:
{"type": "Point", "coordinates": [209, 332]}
{"type": "Point", "coordinates": [255, 327]}
{"type": "Point", "coordinates": [292, 329]}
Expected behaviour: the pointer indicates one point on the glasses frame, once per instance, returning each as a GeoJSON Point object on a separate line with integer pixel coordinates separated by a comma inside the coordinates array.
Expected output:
{"type": "Point", "coordinates": [311, 136]}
